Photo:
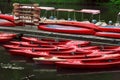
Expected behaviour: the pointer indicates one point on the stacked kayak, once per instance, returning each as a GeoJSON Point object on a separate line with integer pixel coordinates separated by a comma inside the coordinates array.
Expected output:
{"type": "Point", "coordinates": [7, 20]}
{"type": "Point", "coordinates": [51, 46]}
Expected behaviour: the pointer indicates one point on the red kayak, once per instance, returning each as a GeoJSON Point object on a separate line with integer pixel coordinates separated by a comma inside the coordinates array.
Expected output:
{"type": "Point", "coordinates": [41, 48]}
{"type": "Point", "coordinates": [80, 24]}
{"type": "Point", "coordinates": [26, 44]}
{"type": "Point", "coordinates": [6, 23]}
{"type": "Point", "coordinates": [108, 34]}
{"type": "Point", "coordinates": [52, 60]}
{"type": "Point", "coordinates": [75, 56]}
{"type": "Point", "coordinates": [115, 48]}
{"type": "Point", "coordinates": [70, 51]}
{"type": "Point", "coordinates": [54, 40]}
{"type": "Point", "coordinates": [83, 64]}
{"type": "Point", "coordinates": [79, 55]}
{"type": "Point", "coordinates": [12, 46]}
{"type": "Point", "coordinates": [64, 47]}
{"type": "Point", "coordinates": [47, 60]}
{"type": "Point", "coordinates": [45, 41]}
{"type": "Point", "coordinates": [110, 29]}
{"type": "Point", "coordinates": [2, 34]}
{"type": "Point", "coordinates": [66, 29]}
{"type": "Point", "coordinates": [7, 17]}
{"type": "Point", "coordinates": [78, 43]}
{"type": "Point", "coordinates": [103, 57]}
{"type": "Point", "coordinates": [29, 53]}
{"type": "Point", "coordinates": [89, 47]}
{"type": "Point", "coordinates": [85, 51]}
{"type": "Point", "coordinates": [5, 39]}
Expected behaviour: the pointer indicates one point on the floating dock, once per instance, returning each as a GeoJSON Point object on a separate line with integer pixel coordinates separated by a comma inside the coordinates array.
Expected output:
{"type": "Point", "coordinates": [34, 32]}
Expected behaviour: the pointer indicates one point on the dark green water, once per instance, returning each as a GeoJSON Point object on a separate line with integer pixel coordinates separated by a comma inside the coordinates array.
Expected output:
{"type": "Point", "coordinates": [20, 68]}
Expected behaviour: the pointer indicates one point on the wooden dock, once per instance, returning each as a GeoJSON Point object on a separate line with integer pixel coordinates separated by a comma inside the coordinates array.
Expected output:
{"type": "Point", "coordinates": [34, 32]}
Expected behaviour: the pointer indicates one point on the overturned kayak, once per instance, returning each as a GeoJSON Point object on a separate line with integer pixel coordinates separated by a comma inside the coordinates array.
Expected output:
{"type": "Point", "coordinates": [6, 23]}
{"type": "Point", "coordinates": [109, 28]}
{"type": "Point", "coordinates": [80, 24]}
{"type": "Point", "coordinates": [66, 29]}
{"type": "Point", "coordinates": [7, 17]}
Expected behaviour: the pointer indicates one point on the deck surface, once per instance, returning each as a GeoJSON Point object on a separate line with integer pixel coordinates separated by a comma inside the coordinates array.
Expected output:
{"type": "Point", "coordinates": [34, 32]}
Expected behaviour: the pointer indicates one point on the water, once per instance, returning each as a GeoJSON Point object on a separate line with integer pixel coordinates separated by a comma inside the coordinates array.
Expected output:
{"type": "Point", "coordinates": [21, 68]}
